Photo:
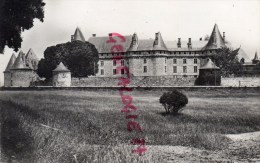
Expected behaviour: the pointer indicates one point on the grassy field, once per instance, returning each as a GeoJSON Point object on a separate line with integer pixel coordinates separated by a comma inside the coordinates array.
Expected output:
{"type": "Point", "coordinates": [57, 126]}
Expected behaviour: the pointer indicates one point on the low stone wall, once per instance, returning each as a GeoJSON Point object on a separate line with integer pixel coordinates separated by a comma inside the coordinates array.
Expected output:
{"type": "Point", "coordinates": [241, 82]}
{"type": "Point", "coordinates": [135, 81]}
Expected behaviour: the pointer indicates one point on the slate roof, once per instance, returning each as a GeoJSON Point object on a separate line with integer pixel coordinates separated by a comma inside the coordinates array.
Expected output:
{"type": "Point", "coordinates": [20, 62]}
{"type": "Point", "coordinates": [209, 65]}
{"type": "Point", "coordinates": [103, 47]}
{"type": "Point", "coordinates": [78, 35]}
{"type": "Point", "coordinates": [143, 44]}
{"type": "Point", "coordinates": [158, 43]}
{"type": "Point", "coordinates": [61, 68]}
{"type": "Point", "coordinates": [10, 63]}
{"type": "Point", "coordinates": [216, 40]}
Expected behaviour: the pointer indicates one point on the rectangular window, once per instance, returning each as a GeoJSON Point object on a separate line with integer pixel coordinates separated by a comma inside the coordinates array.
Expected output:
{"type": "Point", "coordinates": [114, 71]}
{"type": "Point", "coordinates": [122, 62]}
{"type": "Point", "coordinates": [195, 60]}
{"type": "Point", "coordinates": [174, 69]}
{"type": "Point", "coordinates": [145, 61]}
{"type": "Point", "coordinates": [114, 62]}
{"type": "Point", "coordinates": [102, 71]}
{"type": "Point", "coordinates": [101, 63]}
{"type": "Point", "coordinates": [184, 61]}
{"type": "Point", "coordinates": [165, 60]}
{"type": "Point", "coordinates": [165, 68]}
{"type": "Point", "coordinates": [122, 71]}
{"type": "Point", "coordinates": [184, 69]}
{"type": "Point", "coordinates": [174, 61]}
{"type": "Point", "coordinates": [145, 69]}
{"type": "Point", "coordinates": [195, 69]}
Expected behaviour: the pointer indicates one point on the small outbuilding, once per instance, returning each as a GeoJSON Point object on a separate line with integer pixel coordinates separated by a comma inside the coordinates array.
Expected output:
{"type": "Point", "coordinates": [209, 74]}
{"type": "Point", "coordinates": [61, 76]}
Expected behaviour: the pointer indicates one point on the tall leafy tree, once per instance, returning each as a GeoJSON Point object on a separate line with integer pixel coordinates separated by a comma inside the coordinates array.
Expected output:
{"type": "Point", "coordinates": [15, 17]}
{"type": "Point", "coordinates": [226, 59]}
{"type": "Point", "coordinates": [80, 58]}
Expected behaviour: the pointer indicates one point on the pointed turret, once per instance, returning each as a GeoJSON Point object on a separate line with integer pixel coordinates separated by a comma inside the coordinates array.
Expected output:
{"type": "Point", "coordinates": [78, 35]}
{"type": "Point", "coordinates": [31, 59]}
{"type": "Point", "coordinates": [31, 55]}
{"type": "Point", "coordinates": [216, 41]}
{"type": "Point", "coordinates": [134, 43]}
{"type": "Point", "coordinates": [20, 62]}
{"type": "Point", "coordinates": [158, 43]}
{"type": "Point", "coordinates": [61, 68]}
{"type": "Point", "coordinates": [10, 63]}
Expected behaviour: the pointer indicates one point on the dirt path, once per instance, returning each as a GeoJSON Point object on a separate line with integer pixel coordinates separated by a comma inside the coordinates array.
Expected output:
{"type": "Point", "coordinates": [243, 148]}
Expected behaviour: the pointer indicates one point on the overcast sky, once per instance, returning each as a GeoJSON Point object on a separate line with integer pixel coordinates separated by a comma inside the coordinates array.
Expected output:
{"type": "Point", "coordinates": [240, 19]}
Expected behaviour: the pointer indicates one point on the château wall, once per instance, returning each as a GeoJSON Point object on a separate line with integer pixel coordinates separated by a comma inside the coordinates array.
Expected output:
{"type": "Point", "coordinates": [136, 81]}
{"type": "Point", "coordinates": [241, 82]}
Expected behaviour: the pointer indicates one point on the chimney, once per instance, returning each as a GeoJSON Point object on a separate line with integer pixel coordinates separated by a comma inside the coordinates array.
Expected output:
{"type": "Point", "coordinates": [93, 35]}
{"type": "Point", "coordinates": [156, 42]}
{"type": "Point", "coordinates": [189, 44]}
{"type": "Point", "coordinates": [110, 34]}
{"type": "Point", "coordinates": [72, 38]}
{"type": "Point", "coordinates": [179, 43]}
{"type": "Point", "coordinates": [224, 37]}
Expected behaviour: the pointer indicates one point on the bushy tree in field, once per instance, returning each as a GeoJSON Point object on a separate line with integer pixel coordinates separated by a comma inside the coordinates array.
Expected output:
{"type": "Point", "coordinates": [226, 59]}
{"type": "Point", "coordinates": [173, 101]}
{"type": "Point", "coordinates": [15, 17]}
{"type": "Point", "coordinates": [79, 57]}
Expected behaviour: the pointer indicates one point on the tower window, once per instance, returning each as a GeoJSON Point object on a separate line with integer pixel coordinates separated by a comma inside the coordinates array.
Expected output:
{"type": "Point", "coordinates": [184, 61]}
{"type": "Point", "coordinates": [184, 69]}
{"type": "Point", "coordinates": [165, 69]}
{"type": "Point", "coordinates": [195, 60]}
{"type": "Point", "coordinates": [174, 69]}
{"type": "Point", "coordinates": [195, 69]}
{"type": "Point", "coordinates": [145, 69]}
{"type": "Point", "coordinates": [114, 71]}
{"type": "Point", "coordinates": [102, 71]}
{"type": "Point", "coordinates": [145, 61]}
{"type": "Point", "coordinates": [122, 62]}
{"type": "Point", "coordinates": [174, 60]}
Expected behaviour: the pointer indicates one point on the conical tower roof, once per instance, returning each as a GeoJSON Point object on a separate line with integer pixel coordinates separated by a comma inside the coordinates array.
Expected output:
{"type": "Point", "coordinates": [10, 63]}
{"type": "Point", "coordinates": [134, 43]}
{"type": "Point", "coordinates": [216, 41]}
{"type": "Point", "coordinates": [209, 65]}
{"type": "Point", "coordinates": [61, 68]}
{"type": "Point", "coordinates": [158, 43]}
{"type": "Point", "coordinates": [31, 55]}
{"type": "Point", "coordinates": [20, 62]}
{"type": "Point", "coordinates": [256, 56]}
{"type": "Point", "coordinates": [78, 35]}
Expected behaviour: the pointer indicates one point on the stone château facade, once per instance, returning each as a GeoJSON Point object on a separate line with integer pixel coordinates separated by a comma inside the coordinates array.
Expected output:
{"type": "Point", "coordinates": [155, 57]}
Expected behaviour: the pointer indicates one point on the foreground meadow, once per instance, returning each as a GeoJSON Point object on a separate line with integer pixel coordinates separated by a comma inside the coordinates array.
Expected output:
{"type": "Point", "coordinates": [87, 126]}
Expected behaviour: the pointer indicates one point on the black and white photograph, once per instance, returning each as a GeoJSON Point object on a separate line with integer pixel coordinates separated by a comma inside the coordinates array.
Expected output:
{"type": "Point", "coordinates": [129, 81]}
